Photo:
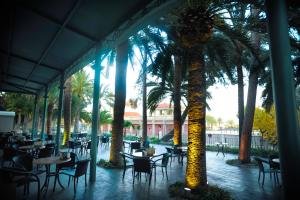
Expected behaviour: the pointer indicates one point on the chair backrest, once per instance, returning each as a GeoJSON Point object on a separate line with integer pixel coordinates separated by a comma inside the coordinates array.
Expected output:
{"type": "Point", "coordinates": [165, 159]}
{"type": "Point", "coordinates": [45, 152]}
{"type": "Point", "coordinates": [272, 164]}
{"type": "Point", "coordinates": [135, 145]}
{"type": "Point", "coordinates": [142, 165]}
{"type": "Point", "coordinates": [260, 164]}
{"type": "Point", "coordinates": [124, 156]}
{"type": "Point", "coordinates": [23, 161]}
{"type": "Point", "coordinates": [81, 167]}
{"type": "Point", "coordinates": [169, 150]}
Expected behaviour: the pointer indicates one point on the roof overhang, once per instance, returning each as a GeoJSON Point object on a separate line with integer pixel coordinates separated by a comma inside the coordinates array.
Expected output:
{"type": "Point", "coordinates": [41, 40]}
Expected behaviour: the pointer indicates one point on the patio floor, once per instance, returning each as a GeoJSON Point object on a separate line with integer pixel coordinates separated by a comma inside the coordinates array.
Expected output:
{"type": "Point", "coordinates": [241, 182]}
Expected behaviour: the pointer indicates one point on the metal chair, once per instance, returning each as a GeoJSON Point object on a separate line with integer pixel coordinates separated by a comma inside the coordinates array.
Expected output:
{"type": "Point", "coordinates": [80, 170]}
{"type": "Point", "coordinates": [263, 170]}
{"type": "Point", "coordinates": [142, 165]}
{"type": "Point", "coordinates": [134, 145]}
{"type": "Point", "coordinates": [126, 163]}
{"type": "Point", "coordinates": [164, 164]}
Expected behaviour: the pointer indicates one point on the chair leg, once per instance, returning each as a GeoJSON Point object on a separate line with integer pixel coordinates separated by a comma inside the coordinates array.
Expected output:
{"type": "Point", "coordinates": [166, 173]}
{"type": "Point", "coordinates": [150, 178]}
{"type": "Point", "coordinates": [133, 177]}
{"type": "Point", "coordinates": [69, 181]}
{"type": "Point", "coordinates": [85, 180]}
{"type": "Point", "coordinates": [124, 172]}
{"type": "Point", "coordinates": [263, 179]}
{"type": "Point", "coordinates": [75, 185]}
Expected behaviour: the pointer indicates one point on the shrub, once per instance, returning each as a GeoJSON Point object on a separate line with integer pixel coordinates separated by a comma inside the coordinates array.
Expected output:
{"type": "Point", "coordinates": [106, 164]}
{"type": "Point", "coordinates": [208, 192]}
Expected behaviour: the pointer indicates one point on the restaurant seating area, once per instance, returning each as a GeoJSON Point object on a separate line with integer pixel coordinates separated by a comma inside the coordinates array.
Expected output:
{"type": "Point", "coordinates": [145, 176]}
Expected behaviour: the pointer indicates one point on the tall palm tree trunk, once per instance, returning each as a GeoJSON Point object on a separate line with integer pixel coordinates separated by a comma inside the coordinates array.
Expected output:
{"type": "Point", "coordinates": [245, 143]}
{"type": "Point", "coordinates": [67, 110]}
{"type": "Point", "coordinates": [240, 77]}
{"type": "Point", "coordinates": [144, 100]}
{"type": "Point", "coordinates": [76, 121]}
{"type": "Point", "coordinates": [119, 106]}
{"type": "Point", "coordinates": [196, 175]}
{"type": "Point", "coordinates": [246, 136]}
{"type": "Point", "coordinates": [177, 98]}
{"type": "Point", "coordinates": [49, 118]}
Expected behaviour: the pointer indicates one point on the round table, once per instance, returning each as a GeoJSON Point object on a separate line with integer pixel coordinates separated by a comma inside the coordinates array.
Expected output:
{"type": "Point", "coordinates": [30, 147]}
{"type": "Point", "coordinates": [48, 161]}
{"type": "Point", "coordinates": [276, 160]}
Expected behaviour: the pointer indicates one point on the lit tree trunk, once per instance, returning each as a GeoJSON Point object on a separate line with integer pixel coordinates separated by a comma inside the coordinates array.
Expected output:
{"type": "Point", "coordinates": [245, 143]}
{"type": "Point", "coordinates": [67, 110]}
{"type": "Point", "coordinates": [49, 118]}
{"type": "Point", "coordinates": [119, 106]}
{"type": "Point", "coordinates": [177, 98]}
{"type": "Point", "coordinates": [196, 159]}
{"type": "Point", "coordinates": [144, 100]}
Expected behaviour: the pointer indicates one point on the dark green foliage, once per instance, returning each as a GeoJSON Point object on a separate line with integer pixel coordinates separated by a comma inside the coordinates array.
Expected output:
{"type": "Point", "coordinates": [154, 140]}
{"type": "Point", "coordinates": [131, 138]}
{"type": "Point", "coordinates": [208, 192]}
{"type": "Point", "coordinates": [106, 164]}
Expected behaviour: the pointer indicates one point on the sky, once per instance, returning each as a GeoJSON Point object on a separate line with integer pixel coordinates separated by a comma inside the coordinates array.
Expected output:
{"type": "Point", "coordinates": [224, 102]}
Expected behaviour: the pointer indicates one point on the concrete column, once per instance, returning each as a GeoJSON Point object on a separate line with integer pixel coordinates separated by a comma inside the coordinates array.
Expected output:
{"type": "Point", "coordinates": [44, 112]}
{"type": "Point", "coordinates": [59, 114]}
{"type": "Point", "coordinates": [284, 97]}
{"type": "Point", "coordinates": [33, 131]}
{"type": "Point", "coordinates": [95, 116]}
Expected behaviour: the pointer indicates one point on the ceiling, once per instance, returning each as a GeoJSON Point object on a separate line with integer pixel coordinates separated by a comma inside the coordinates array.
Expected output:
{"type": "Point", "coordinates": [40, 40]}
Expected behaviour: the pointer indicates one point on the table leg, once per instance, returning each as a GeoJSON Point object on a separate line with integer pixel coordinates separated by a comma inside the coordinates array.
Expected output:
{"type": "Point", "coordinates": [46, 183]}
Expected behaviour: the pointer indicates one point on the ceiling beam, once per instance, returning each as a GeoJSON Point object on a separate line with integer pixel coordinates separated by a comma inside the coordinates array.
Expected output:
{"type": "Point", "coordinates": [13, 91]}
{"type": "Point", "coordinates": [52, 42]}
{"type": "Point", "coordinates": [24, 79]}
{"type": "Point", "coordinates": [57, 22]}
{"type": "Point", "coordinates": [18, 85]}
{"type": "Point", "coordinates": [28, 60]}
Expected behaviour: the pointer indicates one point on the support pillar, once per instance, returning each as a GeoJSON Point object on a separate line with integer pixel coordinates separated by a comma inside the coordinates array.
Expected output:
{"type": "Point", "coordinates": [33, 131]}
{"type": "Point", "coordinates": [95, 116]}
{"type": "Point", "coordinates": [44, 113]}
{"type": "Point", "coordinates": [284, 97]}
{"type": "Point", "coordinates": [59, 114]}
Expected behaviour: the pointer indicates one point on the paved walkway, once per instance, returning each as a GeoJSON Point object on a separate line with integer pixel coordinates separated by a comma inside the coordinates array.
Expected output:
{"type": "Point", "coordinates": [241, 182]}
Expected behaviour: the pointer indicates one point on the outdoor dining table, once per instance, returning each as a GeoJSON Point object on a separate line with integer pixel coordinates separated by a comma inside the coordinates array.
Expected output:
{"type": "Point", "coordinates": [48, 161]}
{"type": "Point", "coordinates": [276, 160]}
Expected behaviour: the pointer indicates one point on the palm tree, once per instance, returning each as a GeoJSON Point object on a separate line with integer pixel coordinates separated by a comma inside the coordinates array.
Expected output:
{"type": "Point", "coordinates": [52, 100]}
{"type": "Point", "coordinates": [127, 124]}
{"type": "Point", "coordinates": [81, 91]}
{"type": "Point", "coordinates": [67, 110]}
{"type": "Point", "coordinates": [105, 118]}
{"type": "Point", "coordinates": [119, 106]}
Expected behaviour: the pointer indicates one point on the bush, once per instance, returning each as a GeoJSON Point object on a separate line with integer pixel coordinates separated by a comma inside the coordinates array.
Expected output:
{"type": "Point", "coordinates": [254, 152]}
{"type": "Point", "coordinates": [106, 164]}
{"type": "Point", "coordinates": [154, 140]}
{"type": "Point", "coordinates": [208, 192]}
{"type": "Point", "coordinates": [131, 138]}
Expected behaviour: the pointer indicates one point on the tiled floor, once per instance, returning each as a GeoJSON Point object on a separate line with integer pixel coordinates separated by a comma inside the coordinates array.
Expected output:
{"type": "Point", "coordinates": [241, 182]}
